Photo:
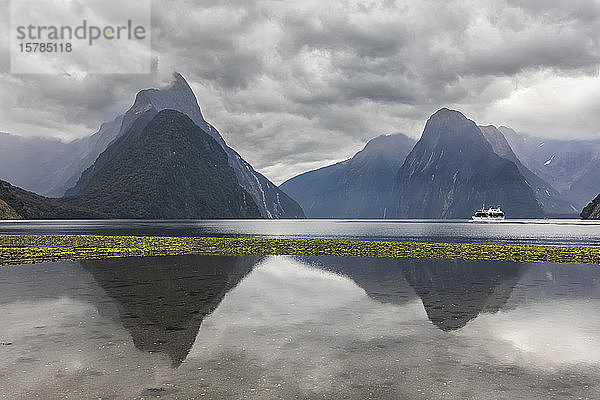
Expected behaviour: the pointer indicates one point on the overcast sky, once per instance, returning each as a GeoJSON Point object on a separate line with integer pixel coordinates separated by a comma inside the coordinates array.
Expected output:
{"type": "Point", "coordinates": [294, 85]}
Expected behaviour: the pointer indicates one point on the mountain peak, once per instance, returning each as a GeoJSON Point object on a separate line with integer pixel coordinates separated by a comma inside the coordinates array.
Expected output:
{"type": "Point", "coordinates": [489, 127]}
{"type": "Point", "coordinates": [452, 170]}
{"type": "Point", "coordinates": [180, 85]}
{"type": "Point", "coordinates": [179, 79]}
{"type": "Point", "coordinates": [178, 95]}
{"type": "Point", "coordinates": [447, 113]}
{"type": "Point", "coordinates": [452, 128]}
{"type": "Point", "coordinates": [387, 146]}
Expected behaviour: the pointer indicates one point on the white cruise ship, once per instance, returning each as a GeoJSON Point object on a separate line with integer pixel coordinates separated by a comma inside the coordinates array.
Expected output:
{"type": "Point", "coordinates": [489, 215]}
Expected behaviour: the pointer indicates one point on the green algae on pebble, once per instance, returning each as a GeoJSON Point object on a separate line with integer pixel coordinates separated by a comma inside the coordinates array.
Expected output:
{"type": "Point", "coordinates": [20, 249]}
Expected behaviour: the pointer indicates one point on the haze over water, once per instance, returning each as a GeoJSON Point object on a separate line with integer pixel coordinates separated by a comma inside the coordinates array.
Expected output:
{"type": "Point", "coordinates": [311, 327]}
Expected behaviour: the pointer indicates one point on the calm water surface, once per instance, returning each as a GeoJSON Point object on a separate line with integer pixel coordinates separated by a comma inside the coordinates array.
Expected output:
{"type": "Point", "coordinates": [546, 232]}
{"type": "Point", "coordinates": [192, 327]}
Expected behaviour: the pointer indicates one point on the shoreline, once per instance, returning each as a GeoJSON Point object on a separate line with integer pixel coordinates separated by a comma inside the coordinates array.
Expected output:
{"type": "Point", "coordinates": [27, 249]}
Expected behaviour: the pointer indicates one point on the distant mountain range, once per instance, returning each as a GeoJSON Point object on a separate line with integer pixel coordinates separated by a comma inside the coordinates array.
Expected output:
{"type": "Point", "coordinates": [28, 162]}
{"type": "Point", "coordinates": [356, 188]}
{"type": "Point", "coordinates": [552, 202]}
{"type": "Point", "coordinates": [453, 169]}
{"type": "Point", "coordinates": [572, 167]}
{"type": "Point", "coordinates": [162, 159]}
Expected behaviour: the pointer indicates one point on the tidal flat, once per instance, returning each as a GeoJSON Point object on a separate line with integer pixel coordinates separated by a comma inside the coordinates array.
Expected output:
{"type": "Point", "coordinates": [21, 249]}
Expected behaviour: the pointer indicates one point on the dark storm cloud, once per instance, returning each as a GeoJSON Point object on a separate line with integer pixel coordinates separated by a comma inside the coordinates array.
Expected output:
{"type": "Point", "coordinates": [290, 84]}
{"type": "Point", "coordinates": [207, 41]}
{"type": "Point", "coordinates": [338, 33]}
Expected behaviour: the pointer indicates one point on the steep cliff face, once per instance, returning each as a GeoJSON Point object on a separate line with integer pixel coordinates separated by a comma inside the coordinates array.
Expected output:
{"type": "Point", "coordinates": [356, 188]}
{"type": "Point", "coordinates": [33, 163]}
{"type": "Point", "coordinates": [163, 167]}
{"type": "Point", "coordinates": [79, 155]}
{"type": "Point", "coordinates": [453, 170]}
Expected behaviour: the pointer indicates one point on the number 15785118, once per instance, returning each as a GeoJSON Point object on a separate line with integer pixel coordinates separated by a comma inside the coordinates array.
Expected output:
{"type": "Point", "coordinates": [37, 47]}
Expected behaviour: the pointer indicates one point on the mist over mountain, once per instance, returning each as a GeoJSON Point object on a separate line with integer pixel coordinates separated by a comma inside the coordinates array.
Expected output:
{"type": "Point", "coordinates": [586, 187]}
{"type": "Point", "coordinates": [549, 198]}
{"type": "Point", "coordinates": [355, 188]}
{"type": "Point", "coordinates": [50, 166]}
{"type": "Point", "coordinates": [570, 166]}
{"type": "Point", "coordinates": [31, 162]}
{"type": "Point", "coordinates": [80, 154]}
{"type": "Point", "coordinates": [163, 167]}
{"type": "Point", "coordinates": [53, 166]}
{"type": "Point", "coordinates": [453, 170]}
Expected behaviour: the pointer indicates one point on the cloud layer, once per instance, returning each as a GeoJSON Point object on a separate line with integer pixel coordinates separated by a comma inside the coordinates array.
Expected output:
{"type": "Point", "coordinates": [295, 85]}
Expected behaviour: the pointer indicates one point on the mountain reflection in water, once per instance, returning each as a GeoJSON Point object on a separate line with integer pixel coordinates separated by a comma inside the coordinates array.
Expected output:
{"type": "Point", "coordinates": [453, 292]}
{"type": "Point", "coordinates": [312, 327]}
{"type": "Point", "coordinates": [163, 300]}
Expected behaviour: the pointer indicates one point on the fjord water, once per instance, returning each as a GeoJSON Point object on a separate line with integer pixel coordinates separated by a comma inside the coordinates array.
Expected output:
{"type": "Point", "coordinates": [306, 327]}
{"type": "Point", "coordinates": [557, 232]}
